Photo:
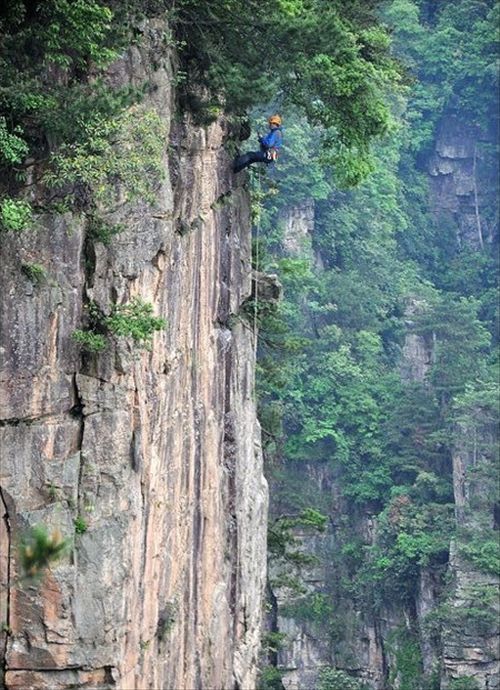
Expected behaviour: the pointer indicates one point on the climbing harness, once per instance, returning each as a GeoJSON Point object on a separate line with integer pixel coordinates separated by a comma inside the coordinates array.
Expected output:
{"type": "Point", "coordinates": [272, 155]}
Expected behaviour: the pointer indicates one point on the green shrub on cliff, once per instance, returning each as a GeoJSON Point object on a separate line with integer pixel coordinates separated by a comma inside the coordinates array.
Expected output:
{"type": "Point", "coordinates": [15, 214]}
{"type": "Point", "coordinates": [335, 679]}
{"type": "Point", "coordinates": [132, 319]}
{"type": "Point", "coordinates": [464, 683]}
{"type": "Point", "coordinates": [35, 273]}
{"type": "Point", "coordinates": [12, 147]}
{"type": "Point", "coordinates": [124, 153]}
{"type": "Point", "coordinates": [47, 50]}
{"type": "Point", "coordinates": [329, 58]}
{"type": "Point", "coordinates": [89, 341]}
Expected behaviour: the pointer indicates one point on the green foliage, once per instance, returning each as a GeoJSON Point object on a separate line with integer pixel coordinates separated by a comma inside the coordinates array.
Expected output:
{"type": "Point", "coordinates": [80, 525]}
{"type": "Point", "coordinates": [273, 641]}
{"type": "Point", "coordinates": [475, 612]}
{"type": "Point", "coordinates": [454, 62]}
{"type": "Point", "coordinates": [12, 147]}
{"type": "Point", "coordinates": [48, 49]}
{"type": "Point", "coordinates": [464, 683]}
{"type": "Point", "coordinates": [123, 155]}
{"type": "Point", "coordinates": [483, 551]}
{"type": "Point", "coordinates": [407, 671]}
{"type": "Point", "coordinates": [15, 215]}
{"type": "Point", "coordinates": [382, 275]}
{"type": "Point", "coordinates": [90, 341]}
{"type": "Point", "coordinates": [286, 550]}
{"type": "Point", "coordinates": [35, 273]}
{"type": "Point", "coordinates": [75, 33]}
{"type": "Point", "coordinates": [335, 679]}
{"type": "Point", "coordinates": [103, 231]}
{"type": "Point", "coordinates": [461, 339]}
{"type": "Point", "coordinates": [315, 608]}
{"type": "Point", "coordinates": [166, 621]}
{"type": "Point", "coordinates": [134, 319]}
{"type": "Point", "coordinates": [412, 534]}
{"type": "Point", "coordinates": [270, 679]}
{"type": "Point", "coordinates": [38, 549]}
{"type": "Point", "coordinates": [331, 61]}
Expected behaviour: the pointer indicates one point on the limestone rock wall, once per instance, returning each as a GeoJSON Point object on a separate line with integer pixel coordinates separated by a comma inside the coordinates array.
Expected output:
{"type": "Point", "coordinates": [158, 452]}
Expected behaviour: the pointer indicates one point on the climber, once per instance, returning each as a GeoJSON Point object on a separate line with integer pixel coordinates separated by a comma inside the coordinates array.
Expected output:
{"type": "Point", "coordinates": [269, 146]}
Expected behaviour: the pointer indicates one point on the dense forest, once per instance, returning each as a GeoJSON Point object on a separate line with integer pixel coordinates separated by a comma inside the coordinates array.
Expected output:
{"type": "Point", "coordinates": [377, 371]}
{"type": "Point", "coordinates": [352, 430]}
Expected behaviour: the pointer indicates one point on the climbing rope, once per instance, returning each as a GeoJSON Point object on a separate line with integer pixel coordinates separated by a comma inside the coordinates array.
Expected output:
{"type": "Point", "coordinates": [256, 270]}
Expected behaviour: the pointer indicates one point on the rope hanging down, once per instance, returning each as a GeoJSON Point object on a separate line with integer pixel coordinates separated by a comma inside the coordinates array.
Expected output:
{"type": "Point", "coordinates": [256, 270]}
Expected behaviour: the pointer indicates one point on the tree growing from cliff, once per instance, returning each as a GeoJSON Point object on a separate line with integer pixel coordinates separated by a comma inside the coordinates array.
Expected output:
{"type": "Point", "coordinates": [329, 58]}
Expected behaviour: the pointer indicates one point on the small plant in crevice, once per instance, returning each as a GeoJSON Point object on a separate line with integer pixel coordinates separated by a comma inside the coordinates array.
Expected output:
{"type": "Point", "coordinates": [464, 683]}
{"type": "Point", "coordinates": [54, 491]}
{"type": "Point", "coordinates": [166, 620]}
{"type": "Point", "coordinates": [35, 273]}
{"type": "Point", "coordinates": [38, 548]}
{"type": "Point", "coordinates": [80, 525]}
{"type": "Point", "coordinates": [336, 679]}
{"type": "Point", "coordinates": [274, 641]}
{"type": "Point", "coordinates": [101, 230]}
{"type": "Point", "coordinates": [89, 340]}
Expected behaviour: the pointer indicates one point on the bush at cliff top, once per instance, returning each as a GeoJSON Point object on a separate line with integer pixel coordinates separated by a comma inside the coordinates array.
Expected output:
{"type": "Point", "coordinates": [48, 48]}
{"type": "Point", "coordinates": [124, 154]}
{"type": "Point", "coordinates": [328, 57]}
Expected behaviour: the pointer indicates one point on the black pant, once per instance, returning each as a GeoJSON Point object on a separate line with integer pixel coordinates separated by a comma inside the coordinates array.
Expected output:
{"type": "Point", "coordinates": [248, 158]}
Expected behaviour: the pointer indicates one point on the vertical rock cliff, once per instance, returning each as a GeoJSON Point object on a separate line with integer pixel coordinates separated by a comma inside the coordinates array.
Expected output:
{"type": "Point", "coordinates": [158, 452]}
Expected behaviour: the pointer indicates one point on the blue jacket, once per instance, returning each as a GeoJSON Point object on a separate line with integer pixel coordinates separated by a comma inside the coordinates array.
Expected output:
{"type": "Point", "coordinates": [273, 139]}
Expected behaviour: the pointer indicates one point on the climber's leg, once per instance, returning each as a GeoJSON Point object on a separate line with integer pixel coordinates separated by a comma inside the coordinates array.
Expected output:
{"type": "Point", "coordinates": [247, 159]}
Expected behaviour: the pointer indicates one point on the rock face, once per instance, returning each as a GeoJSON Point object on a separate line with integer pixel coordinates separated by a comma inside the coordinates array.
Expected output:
{"type": "Point", "coordinates": [460, 181]}
{"type": "Point", "coordinates": [157, 452]}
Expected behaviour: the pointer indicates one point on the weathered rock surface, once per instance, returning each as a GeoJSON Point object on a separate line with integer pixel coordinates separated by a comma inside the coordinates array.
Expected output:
{"type": "Point", "coordinates": [460, 184]}
{"type": "Point", "coordinates": [158, 452]}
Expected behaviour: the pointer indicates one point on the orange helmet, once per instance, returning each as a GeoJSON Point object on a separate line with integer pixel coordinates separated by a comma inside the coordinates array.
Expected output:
{"type": "Point", "coordinates": [274, 119]}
